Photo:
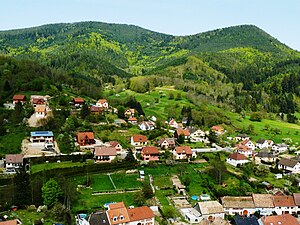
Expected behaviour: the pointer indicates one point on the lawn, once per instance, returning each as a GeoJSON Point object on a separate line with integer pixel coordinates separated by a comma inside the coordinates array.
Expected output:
{"type": "Point", "coordinates": [48, 166]}
{"type": "Point", "coordinates": [126, 181]}
{"type": "Point", "coordinates": [29, 217]}
{"type": "Point", "coordinates": [288, 130]}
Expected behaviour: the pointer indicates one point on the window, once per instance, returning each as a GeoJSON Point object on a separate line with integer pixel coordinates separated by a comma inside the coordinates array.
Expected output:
{"type": "Point", "coordinates": [115, 218]}
{"type": "Point", "coordinates": [121, 217]}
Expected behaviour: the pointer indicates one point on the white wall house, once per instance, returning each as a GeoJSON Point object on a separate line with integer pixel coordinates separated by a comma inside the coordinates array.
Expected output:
{"type": "Point", "coordinates": [289, 165]}
{"type": "Point", "coordinates": [191, 215]}
{"type": "Point", "coordinates": [279, 148]}
{"type": "Point", "coordinates": [236, 159]}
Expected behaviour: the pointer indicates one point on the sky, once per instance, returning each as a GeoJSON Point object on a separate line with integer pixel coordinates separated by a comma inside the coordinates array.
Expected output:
{"type": "Point", "coordinates": [279, 18]}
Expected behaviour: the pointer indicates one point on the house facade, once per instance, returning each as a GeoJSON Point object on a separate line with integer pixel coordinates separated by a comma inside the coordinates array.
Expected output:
{"type": "Point", "coordinates": [102, 103]}
{"type": "Point", "coordinates": [150, 153]}
{"type": "Point", "coordinates": [184, 132]}
{"type": "Point", "coordinates": [78, 102]}
{"type": "Point", "coordinates": [117, 146]}
{"type": "Point", "coordinates": [41, 137]}
{"type": "Point", "coordinates": [138, 141]}
{"type": "Point", "coordinates": [146, 125]}
{"type": "Point", "coordinates": [279, 148]}
{"type": "Point", "coordinates": [210, 210]}
{"type": "Point", "coordinates": [19, 98]}
{"type": "Point", "coordinates": [85, 138]}
{"type": "Point", "coordinates": [236, 159]}
{"type": "Point", "coordinates": [129, 113]}
{"type": "Point", "coordinates": [289, 165]}
{"type": "Point", "coordinates": [141, 216]}
{"type": "Point", "coordinates": [241, 137]}
{"type": "Point", "coordinates": [183, 152]}
{"type": "Point", "coordinates": [132, 120]}
{"type": "Point", "coordinates": [40, 111]}
{"type": "Point", "coordinates": [238, 205]}
{"type": "Point", "coordinates": [104, 154]}
{"type": "Point", "coordinates": [191, 215]}
{"type": "Point", "coordinates": [13, 162]}
{"type": "Point", "coordinates": [284, 204]}
{"type": "Point", "coordinates": [166, 143]}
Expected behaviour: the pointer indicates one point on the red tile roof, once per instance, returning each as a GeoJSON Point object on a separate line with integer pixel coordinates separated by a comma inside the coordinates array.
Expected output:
{"type": "Point", "coordinates": [102, 101]}
{"type": "Point", "coordinates": [237, 156]}
{"type": "Point", "coordinates": [185, 132]}
{"type": "Point", "coordinates": [9, 222]}
{"type": "Point", "coordinates": [132, 119]}
{"type": "Point", "coordinates": [105, 151]}
{"type": "Point", "coordinates": [217, 128]}
{"type": "Point", "coordinates": [78, 100]}
{"type": "Point", "coordinates": [285, 219]}
{"type": "Point", "coordinates": [284, 201]}
{"type": "Point", "coordinates": [14, 158]}
{"type": "Point", "coordinates": [95, 108]}
{"type": "Point", "coordinates": [113, 143]}
{"type": "Point", "coordinates": [139, 138]}
{"type": "Point", "coordinates": [140, 213]}
{"type": "Point", "coordinates": [116, 212]}
{"type": "Point", "coordinates": [82, 135]}
{"type": "Point", "coordinates": [297, 198]}
{"type": "Point", "coordinates": [151, 150]}
{"type": "Point", "coordinates": [19, 98]}
{"type": "Point", "coordinates": [184, 149]}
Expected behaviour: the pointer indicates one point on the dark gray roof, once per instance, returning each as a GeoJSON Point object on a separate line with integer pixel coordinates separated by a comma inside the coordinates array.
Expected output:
{"type": "Point", "coordinates": [288, 162]}
{"type": "Point", "coordinates": [242, 135]}
{"type": "Point", "coordinates": [264, 154]}
{"type": "Point", "coordinates": [260, 141]}
{"type": "Point", "coordinates": [241, 220]}
{"type": "Point", "coordinates": [98, 218]}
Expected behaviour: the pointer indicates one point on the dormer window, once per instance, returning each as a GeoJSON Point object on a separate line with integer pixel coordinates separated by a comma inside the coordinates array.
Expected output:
{"type": "Point", "coordinates": [115, 218]}
{"type": "Point", "coordinates": [121, 217]}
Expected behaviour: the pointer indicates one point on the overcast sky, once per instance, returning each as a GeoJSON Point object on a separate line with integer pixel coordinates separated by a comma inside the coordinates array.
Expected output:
{"type": "Point", "coordinates": [279, 18]}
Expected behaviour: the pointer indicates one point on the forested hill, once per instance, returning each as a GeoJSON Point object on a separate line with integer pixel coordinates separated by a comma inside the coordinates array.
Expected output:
{"type": "Point", "coordinates": [237, 65]}
{"type": "Point", "coordinates": [130, 48]}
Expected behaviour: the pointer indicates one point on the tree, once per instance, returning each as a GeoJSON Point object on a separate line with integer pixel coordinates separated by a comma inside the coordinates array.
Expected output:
{"type": "Point", "coordinates": [129, 157]}
{"type": "Point", "coordinates": [85, 111]}
{"type": "Point", "coordinates": [147, 191]}
{"type": "Point", "coordinates": [218, 170]}
{"type": "Point", "coordinates": [212, 137]}
{"type": "Point", "coordinates": [187, 181]}
{"type": "Point", "coordinates": [261, 171]}
{"type": "Point", "coordinates": [51, 193]}
{"type": "Point", "coordinates": [139, 199]}
{"type": "Point", "coordinates": [22, 181]}
{"type": "Point", "coordinates": [121, 111]}
{"type": "Point", "coordinates": [180, 139]}
{"type": "Point", "coordinates": [256, 116]}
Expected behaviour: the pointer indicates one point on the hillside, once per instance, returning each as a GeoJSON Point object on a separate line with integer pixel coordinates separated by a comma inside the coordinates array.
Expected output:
{"type": "Point", "coordinates": [242, 66]}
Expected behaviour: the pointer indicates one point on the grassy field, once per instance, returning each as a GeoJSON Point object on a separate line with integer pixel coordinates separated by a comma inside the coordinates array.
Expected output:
{"type": "Point", "coordinates": [288, 130]}
{"type": "Point", "coordinates": [47, 166]}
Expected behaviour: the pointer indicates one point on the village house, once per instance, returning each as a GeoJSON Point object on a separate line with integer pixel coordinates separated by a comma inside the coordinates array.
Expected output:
{"type": "Point", "coordinates": [129, 113]}
{"type": "Point", "coordinates": [183, 152]}
{"type": "Point", "coordinates": [141, 216]}
{"type": "Point", "coordinates": [279, 148]}
{"type": "Point", "coordinates": [40, 111]}
{"type": "Point", "coordinates": [116, 145]}
{"type": "Point", "coordinates": [261, 143]}
{"type": "Point", "coordinates": [217, 221]}
{"type": "Point", "coordinates": [296, 197]}
{"type": "Point", "coordinates": [196, 134]}
{"type": "Point", "coordinates": [238, 205]}
{"type": "Point", "coordinates": [97, 218]}
{"type": "Point", "coordinates": [219, 130]}
{"type": "Point", "coordinates": [244, 150]}
{"type": "Point", "coordinates": [150, 153]}
{"type": "Point", "coordinates": [289, 165]}
{"type": "Point", "coordinates": [285, 219]}
{"type": "Point", "coordinates": [166, 143]}
{"type": "Point", "coordinates": [241, 137]}
{"type": "Point", "coordinates": [173, 123]}
{"type": "Point", "coordinates": [102, 103]}
{"type": "Point", "coordinates": [284, 204]}
{"type": "Point", "coordinates": [95, 109]}
{"type": "Point", "coordinates": [265, 155]}
{"type": "Point", "coordinates": [146, 125]}
{"type": "Point", "coordinates": [85, 138]}
{"type": "Point", "coordinates": [248, 144]}
{"type": "Point", "coordinates": [132, 120]}
{"type": "Point", "coordinates": [210, 210]}
{"type": "Point", "coordinates": [138, 141]}
{"type": "Point", "coordinates": [78, 102]}
{"type": "Point", "coordinates": [245, 220]}
{"type": "Point", "coordinates": [191, 215]}
{"type": "Point", "coordinates": [104, 154]}
{"type": "Point", "coordinates": [184, 132]}
{"type": "Point", "coordinates": [236, 159]}
{"type": "Point", "coordinates": [36, 100]}
{"type": "Point", "coordinates": [13, 162]}
{"type": "Point", "coordinates": [41, 137]}
{"type": "Point", "coordinates": [19, 98]}
{"type": "Point", "coordinates": [11, 222]}
{"type": "Point", "coordinates": [263, 203]}
{"type": "Point", "coordinates": [117, 214]}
